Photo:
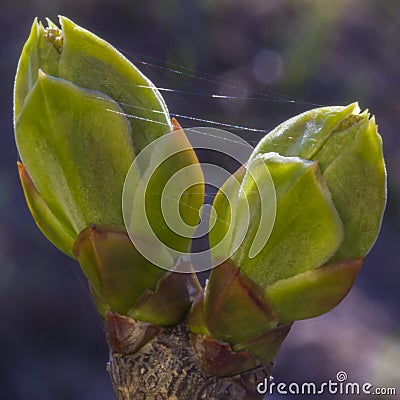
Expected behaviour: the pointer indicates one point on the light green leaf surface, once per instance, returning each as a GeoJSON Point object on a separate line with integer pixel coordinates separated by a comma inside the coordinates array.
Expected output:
{"type": "Point", "coordinates": [77, 157]}
{"type": "Point", "coordinates": [92, 63]}
{"type": "Point", "coordinates": [307, 229]}
{"type": "Point", "coordinates": [165, 206]}
{"type": "Point", "coordinates": [303, 135]}
{"type": "Point", "coordinates": [222, 233]}
{"type": "Point", "coordinates": [357, 180]}
{"type": "Point", "coordinates": [312, 293]}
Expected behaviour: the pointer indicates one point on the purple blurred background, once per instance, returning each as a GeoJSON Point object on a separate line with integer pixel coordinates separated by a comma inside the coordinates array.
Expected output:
{"type": "Point", "coordinates": [270, 52]}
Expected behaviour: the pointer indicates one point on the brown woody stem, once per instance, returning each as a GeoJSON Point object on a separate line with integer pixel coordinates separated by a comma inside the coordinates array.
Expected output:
{"type": "Point", "coordinates": [166, 368]}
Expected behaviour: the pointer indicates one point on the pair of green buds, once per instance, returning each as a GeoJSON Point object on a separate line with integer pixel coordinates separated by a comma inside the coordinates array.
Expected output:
{"type": "Point", "coordinates": [82, 114]}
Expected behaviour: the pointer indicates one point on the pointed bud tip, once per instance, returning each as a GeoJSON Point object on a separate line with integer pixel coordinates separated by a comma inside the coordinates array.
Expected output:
{"type": "Point", "coordinates": [50, 23]}
{"type": "Point", "coordinates": [24, 177]}
{"type": "Point", "coordinates": [176, 126]}
{"type": "Point", "coordinates": [355, 107]}
{"type": "Point", "coordinates": [20, 167]}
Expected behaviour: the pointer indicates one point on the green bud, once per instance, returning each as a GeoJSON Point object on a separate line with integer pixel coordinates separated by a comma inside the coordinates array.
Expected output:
{"type": "Point", "coordinates": [82, 114]}
{"type": "Point", "coordinates": [329, 178]}
{"type": "Point", "coordinates": [348, 149]}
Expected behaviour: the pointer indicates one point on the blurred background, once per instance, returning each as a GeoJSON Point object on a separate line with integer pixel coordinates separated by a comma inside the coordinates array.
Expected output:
{"type": "Point", "coordinates": [276, 58]}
